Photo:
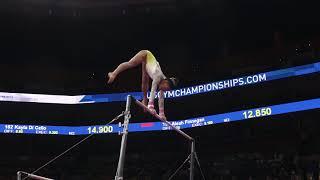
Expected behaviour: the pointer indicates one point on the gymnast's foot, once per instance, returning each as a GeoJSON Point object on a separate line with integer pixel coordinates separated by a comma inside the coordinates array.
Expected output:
{"type": "Point", "coordinates": [111, 77]}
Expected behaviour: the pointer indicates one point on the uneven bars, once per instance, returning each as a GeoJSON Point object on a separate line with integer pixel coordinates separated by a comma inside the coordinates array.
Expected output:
{"type": "Point", "coordinates": [32, 176]}
{"type": "Point", "coordinates": [165, 121]}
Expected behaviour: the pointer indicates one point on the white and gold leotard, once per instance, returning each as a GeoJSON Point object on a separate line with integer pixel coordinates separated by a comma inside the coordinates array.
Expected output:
{"type": "Point", "coordinates": [155, 73]}
{"type": "Point", "coordinates": [153, 67]}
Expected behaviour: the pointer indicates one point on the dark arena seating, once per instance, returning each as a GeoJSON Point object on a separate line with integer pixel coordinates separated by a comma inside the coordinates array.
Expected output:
{"type": "Point", "coordinates": [248, 96]}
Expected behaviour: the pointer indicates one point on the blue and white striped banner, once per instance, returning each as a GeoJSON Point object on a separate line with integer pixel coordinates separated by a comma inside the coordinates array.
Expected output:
{"type": "Point", "coordinates": [187, 91]}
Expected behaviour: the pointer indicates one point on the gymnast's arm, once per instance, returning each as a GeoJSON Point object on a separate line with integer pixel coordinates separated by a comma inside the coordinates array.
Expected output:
{"type": "Point", "coordinates": [161, 105]}
{"type": "Point", "coordinates": [154, 87]}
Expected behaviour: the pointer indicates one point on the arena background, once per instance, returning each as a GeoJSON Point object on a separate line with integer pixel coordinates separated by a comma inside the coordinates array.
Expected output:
{"type": "Point", "coordinates": [66, 47]}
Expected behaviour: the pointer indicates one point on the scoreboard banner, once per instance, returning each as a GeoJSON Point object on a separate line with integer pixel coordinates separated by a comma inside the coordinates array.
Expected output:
{"type": "Point", "coordinates": [159, 126]}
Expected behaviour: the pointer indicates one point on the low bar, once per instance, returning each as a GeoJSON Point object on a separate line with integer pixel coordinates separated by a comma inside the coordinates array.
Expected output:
{"type": "Point", "coordinates": [165, 121]}
{"type": "Point", "coordinates": [33, 176]}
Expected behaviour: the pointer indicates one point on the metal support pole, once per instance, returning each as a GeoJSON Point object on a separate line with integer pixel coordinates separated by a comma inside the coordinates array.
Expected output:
{"type": "Point", "coordinates": [18, 175]}
{"type": "Point", "coordinates": [119, 174]}
{"type": "Point", "coordinates": [192, 155]}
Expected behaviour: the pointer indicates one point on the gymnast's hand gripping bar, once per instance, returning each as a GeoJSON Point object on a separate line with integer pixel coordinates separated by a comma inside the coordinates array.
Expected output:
{"type": "Point", "coordinates": [165, 121]}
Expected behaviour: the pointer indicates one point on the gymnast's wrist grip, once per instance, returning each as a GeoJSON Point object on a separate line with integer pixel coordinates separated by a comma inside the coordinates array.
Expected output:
{"type": "Point", "coordinates": [150, 105]}
{"type": "Point", "coordinates": [161, 112]}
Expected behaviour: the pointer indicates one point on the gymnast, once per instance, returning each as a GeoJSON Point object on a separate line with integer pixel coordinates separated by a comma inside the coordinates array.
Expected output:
{"type": "Point", "coordinates": [150, 69]}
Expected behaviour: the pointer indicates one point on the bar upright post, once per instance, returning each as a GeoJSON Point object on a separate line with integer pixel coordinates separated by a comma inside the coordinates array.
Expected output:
{"type": "Point", "coordinates": [119, 174]}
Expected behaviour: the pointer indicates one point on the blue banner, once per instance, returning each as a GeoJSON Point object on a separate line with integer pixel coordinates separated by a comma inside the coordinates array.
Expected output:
{"type": "Point", "coordinates": [158, 126]}
{"type": "Point", "coordinates": [215, 86]}
{"type": "Point", "coordinates": [187, 91]}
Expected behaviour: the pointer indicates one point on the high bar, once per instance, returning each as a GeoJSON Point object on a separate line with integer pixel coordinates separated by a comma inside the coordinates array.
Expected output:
{"type": "Point", "coordinates": [165, 121]}
{"type": "Point", "coordinates": [33, 176]}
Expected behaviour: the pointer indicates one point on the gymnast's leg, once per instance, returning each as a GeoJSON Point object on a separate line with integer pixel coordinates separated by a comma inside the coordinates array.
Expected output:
{"type": "Point", "coordinates": [135, 61]}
